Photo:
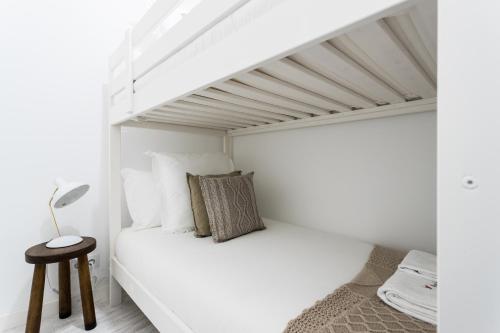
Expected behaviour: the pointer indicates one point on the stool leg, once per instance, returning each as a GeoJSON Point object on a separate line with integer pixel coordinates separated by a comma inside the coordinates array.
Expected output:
{"type": "Point", "coordinates": [86, 293]}
{"type": "Point", "coordinates": [36, 299]}
{"type": "Point", "coordinates": [64, 290]}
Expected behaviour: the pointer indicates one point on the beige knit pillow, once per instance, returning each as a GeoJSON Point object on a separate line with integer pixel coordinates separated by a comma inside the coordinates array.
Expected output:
{"type": "Point", "coordinates": [231, 206]}
{"type": "Point", "coordinates": [201, 225]}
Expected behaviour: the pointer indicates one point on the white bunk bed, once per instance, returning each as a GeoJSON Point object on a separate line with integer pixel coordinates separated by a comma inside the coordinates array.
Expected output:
{"type": "Point", "coordinates": [241, 67]}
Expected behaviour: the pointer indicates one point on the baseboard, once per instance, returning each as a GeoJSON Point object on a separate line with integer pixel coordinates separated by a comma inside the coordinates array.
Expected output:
{"type": "Point", "coordinates": [50, 309]}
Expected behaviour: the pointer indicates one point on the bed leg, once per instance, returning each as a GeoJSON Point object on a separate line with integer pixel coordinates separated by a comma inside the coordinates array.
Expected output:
{"type": "Point", "coordinates": [115, 292]}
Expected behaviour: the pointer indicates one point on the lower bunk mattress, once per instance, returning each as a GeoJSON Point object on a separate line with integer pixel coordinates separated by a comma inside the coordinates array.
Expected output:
{"type": "Point", "coordinates": [256, 283]}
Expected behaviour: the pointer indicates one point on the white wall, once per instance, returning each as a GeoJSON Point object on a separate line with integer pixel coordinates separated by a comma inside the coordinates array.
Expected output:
{"type": "Point", "coordinates": [374, 180]}
{"type": "Point", "coordinates": [469, 146]}
{"type": "Point", "coordinates": [53, 62]}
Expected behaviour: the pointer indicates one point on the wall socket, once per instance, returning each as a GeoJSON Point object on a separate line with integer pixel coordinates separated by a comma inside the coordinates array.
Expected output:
{"type": "Point", "coordinates": [94, 261]}
{"type": "Point", "coordinates": [97, 259]}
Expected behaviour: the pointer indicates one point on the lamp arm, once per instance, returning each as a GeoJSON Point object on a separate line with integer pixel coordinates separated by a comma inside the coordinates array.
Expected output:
{"type": "Point", "coordinates": [52, 212]}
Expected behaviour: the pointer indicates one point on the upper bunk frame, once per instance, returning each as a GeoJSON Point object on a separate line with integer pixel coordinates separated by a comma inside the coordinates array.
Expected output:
{"type": "Point", "coordinates": [325, 62]}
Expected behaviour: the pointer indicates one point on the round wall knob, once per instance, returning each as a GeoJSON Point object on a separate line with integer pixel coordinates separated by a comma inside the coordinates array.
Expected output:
{"type": "Point", "coordinates": [469, 183]}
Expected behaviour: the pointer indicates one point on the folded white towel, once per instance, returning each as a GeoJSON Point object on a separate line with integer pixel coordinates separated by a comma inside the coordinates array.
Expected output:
{"type": "Point", "coordinates": [420, 263]}
{"type": "Point", "coordinates": [411, 294]}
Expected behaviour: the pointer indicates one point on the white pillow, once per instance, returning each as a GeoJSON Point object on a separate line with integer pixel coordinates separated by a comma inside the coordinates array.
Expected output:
{"type": "Point", "coordinates": [170, 171]}
{"type": "Point", "coordinates": [143, 198]}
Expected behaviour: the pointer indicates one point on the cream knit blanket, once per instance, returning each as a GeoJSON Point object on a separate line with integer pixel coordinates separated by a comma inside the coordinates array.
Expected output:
{"type": "Point", "coordinates": [355, 307]}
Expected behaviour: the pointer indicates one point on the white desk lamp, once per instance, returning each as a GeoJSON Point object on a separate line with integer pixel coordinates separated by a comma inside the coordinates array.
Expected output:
{"type": "Point", "coordinates": [65, 194]}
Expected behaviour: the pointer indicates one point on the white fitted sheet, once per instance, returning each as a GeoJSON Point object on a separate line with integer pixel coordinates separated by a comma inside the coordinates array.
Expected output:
{"type": "Point", "coordinates": [255, 283]}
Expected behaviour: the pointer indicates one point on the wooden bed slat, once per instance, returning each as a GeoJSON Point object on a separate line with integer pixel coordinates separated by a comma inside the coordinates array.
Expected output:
{"type": "Point", "coordinates": [283, 88]}
{"type": "Point", "coordinates": [192, 114]}
{"type": "Point", "coordinates": [179, 121]}
{"type": "Point", "coordinates": [149, 123]}
{"type": "Point", "coordinates": [225, 114]}
{"type": "Point", "coordinates": [424, 16]}
{"type": "Point", "coordinates": [402, 43]}
{"type": "Point", "coordinates": [267, 109]}
{"type": "Point", "coordinates": [383, 47]}
{"type": "Point", "coordinates": [192, 119]}
{"type": "Point", "coordinates": [291, 71]}
{"type": "Point", "coordinates": [404, 29]}
{"type": "Point", "coordinates": [353, 51]}
{"type": "Point", "coordinates": [302, 110]}
{"type": "Point", "coordinates": [337, 66]}
{"type": "Point", "coordinates": [239, 110]}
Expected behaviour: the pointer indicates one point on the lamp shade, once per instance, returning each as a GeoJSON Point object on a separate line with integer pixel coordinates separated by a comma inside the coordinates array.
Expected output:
{"type": "Point", "coordinates": [68, 192]}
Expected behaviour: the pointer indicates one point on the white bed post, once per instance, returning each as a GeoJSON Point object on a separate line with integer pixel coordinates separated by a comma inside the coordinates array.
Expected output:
{"type": "Point", "coordinates": [227, 145]}
{"type": "Point", "coordinates": [115, 209]}
{"type": "Point", "coordinates": [115, 187]}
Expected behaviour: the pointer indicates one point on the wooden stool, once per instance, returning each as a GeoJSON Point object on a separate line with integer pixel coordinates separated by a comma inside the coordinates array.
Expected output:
{"type": "Point", "coordinates": [40, 255]}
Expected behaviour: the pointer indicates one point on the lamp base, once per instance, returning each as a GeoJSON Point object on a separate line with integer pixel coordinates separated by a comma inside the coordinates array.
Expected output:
{"type": "Point", "coordinates": [64, 241]}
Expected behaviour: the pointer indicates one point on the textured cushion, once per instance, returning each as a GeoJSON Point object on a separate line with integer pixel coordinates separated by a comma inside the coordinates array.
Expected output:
{"type": "Point", "coordinates": [170, 171]}
{"type": "Point", "coordinates": [231, 206]}
{"type": "Point", "coordinates": [201, 224]}
{"type": "Point", "coordinates": [143, 198]}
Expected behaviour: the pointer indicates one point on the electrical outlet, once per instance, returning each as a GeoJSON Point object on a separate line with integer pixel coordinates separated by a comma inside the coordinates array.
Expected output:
{"type": "Point", "coordinates": [94, 261]}
{"type": "Point", "coordinates": [96, 258]}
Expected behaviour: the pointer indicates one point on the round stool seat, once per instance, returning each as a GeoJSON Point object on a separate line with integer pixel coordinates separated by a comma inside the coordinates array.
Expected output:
{"type": "Point", "coordinates": [40, 254]}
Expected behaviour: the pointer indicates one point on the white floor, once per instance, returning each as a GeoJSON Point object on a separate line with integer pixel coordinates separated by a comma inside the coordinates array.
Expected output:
{"type": "Point", "coordinates": [124, 318]}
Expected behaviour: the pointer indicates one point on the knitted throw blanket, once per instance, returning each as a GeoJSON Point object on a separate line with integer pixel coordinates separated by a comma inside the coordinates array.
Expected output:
{"type": "Point", "coordinates": [355, 307]}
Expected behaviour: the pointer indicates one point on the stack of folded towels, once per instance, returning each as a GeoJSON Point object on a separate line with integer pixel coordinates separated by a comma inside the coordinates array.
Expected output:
{"type": "Point", "coordinates": [413, 287]}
